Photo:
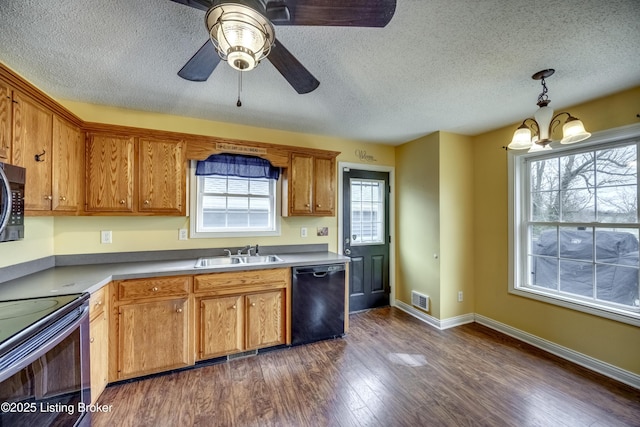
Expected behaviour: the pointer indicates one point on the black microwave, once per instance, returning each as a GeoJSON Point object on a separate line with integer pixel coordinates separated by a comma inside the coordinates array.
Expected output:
{"type": "Point", "coordinates": [12, 180]}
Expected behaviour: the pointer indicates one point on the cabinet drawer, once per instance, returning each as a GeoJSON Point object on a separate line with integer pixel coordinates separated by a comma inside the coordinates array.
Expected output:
{"type": "Point", "coordinates": [242, 281]}
{"type": "Point", "coordinates": [97, 303]}
{"type": "Point", "coordinates": [151, 288]}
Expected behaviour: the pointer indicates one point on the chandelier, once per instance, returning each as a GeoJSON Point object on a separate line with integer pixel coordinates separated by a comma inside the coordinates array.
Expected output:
{"type": "Point", "coordinates": [535, 133]}
{"type": "Point", "coordinates": [240, 32]}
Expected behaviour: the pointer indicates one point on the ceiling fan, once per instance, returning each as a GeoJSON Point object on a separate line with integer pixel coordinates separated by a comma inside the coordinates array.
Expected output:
{"type": "Point", "coordinates": [242, 33]}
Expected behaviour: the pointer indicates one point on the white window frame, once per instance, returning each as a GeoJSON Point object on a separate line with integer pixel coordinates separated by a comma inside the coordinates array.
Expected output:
{"type": "Point", "coordinates": [518, 197]}
{"type": "Point", "coordinates": [195, 213]}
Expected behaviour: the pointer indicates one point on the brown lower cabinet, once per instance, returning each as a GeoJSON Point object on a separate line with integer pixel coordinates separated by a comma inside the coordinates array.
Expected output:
{"type": "Point", "coordinates": [240, 323]}
{"type": "Point", "coordinates": [164, 323]}
{"type": "Point", "coordinates": [241, 311]}
{"type": "Point", "coordinates": [99, 342]}
{"type": "Point", "coordinates": [150, 326]}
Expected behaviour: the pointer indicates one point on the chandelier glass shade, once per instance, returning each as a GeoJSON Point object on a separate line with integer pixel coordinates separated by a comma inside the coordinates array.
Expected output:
{"type": "Point", "coordinates": [241, 34]}
{"type": "Point", "coordinates": [536, 133]}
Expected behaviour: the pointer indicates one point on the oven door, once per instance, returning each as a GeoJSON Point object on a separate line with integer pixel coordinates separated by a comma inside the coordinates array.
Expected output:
{"type": "Point", "coordinates": [46, 381]}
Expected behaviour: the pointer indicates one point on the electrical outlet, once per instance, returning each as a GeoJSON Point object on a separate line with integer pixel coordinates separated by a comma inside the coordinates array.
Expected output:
{"type": "Point", "coordinates": [460, 296]}
{"type": "Point", "coordinates": [303, 232]}
{"type": "Point", "coordinates": [106, 237]}
{"type": "Point", "coordinates": [182, 234]}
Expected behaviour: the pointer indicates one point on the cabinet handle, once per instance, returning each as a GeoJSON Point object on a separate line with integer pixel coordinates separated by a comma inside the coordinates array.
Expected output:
{"type": "Point", "coordinates": [179, 310]}
{"type": "Point", "coordinates": [306, 205]}
{"type": "Point", "coordinates": [233, 307]}
{"type": "Point", "coordinates": [253, 304]}
{"type": "Point", "coordinates": [92, 340]}
{"type": "Point", "coordinates": [318, 206]}
{"type": "Point", "coordinates": [98, 303]}
{"type": "Point", "coordinates": [154, 289]}
{"type": "Point", "coordinates": [48, 197]}
{"type": "Point", "coordinates": [63, 199]}
{"type": "Point", "coordinates": [122, 202]}
{"type": "Point", "coordinates": [146, 202]}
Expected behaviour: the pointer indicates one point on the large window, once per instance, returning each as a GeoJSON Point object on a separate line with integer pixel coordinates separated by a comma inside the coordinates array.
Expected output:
{"type": "Point", "coordinates": [576, 229]}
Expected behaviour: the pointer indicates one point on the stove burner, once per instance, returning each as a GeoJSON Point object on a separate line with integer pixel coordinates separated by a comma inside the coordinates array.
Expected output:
{"type": "Point", "coordinates": [12, 310]}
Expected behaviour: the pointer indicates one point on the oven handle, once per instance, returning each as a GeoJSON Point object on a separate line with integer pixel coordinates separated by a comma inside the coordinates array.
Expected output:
{"type": "Point", "coordinates": [44, 349]}
{"type": "Point", "coordinates": [4, 216]}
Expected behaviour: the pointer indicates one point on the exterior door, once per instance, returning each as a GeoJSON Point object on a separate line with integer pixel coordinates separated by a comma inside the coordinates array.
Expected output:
{"type": "Point", "coordinates": [366, 237]}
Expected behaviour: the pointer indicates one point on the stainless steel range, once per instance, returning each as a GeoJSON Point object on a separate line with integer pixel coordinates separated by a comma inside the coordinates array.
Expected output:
{"type": "Point", "coordinates": [44, 361]}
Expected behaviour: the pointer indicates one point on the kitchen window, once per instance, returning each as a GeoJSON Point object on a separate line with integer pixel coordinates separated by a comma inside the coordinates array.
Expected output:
{"type": "Point", "coordinates": [233, 196]}
{"type": "Point", "coordinates": [575, 229]}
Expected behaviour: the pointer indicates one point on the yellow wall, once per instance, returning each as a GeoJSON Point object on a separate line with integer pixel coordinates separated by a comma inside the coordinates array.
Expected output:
{"type": "Point", "coordinates": [609, 341]}
{"type": "Point", "coordinates": [456, 225]}
{"type": "Point", "coordinates": [418, 220]}
{"type": "Point", "coordinates": [37, 243]}
{"type": "Point", "coordinates": [434, 176]}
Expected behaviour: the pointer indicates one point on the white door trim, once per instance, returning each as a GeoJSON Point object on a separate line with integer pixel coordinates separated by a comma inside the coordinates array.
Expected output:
{"type": "Point", "coordinates": [392, 216]}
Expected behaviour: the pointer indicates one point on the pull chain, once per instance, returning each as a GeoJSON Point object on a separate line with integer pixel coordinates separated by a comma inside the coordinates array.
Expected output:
{"type": "Point", "coordinates": [239, 103]}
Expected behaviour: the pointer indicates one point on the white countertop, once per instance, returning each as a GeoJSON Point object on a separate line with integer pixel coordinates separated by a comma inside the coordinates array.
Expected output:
{"type": "Point", "coordinates": [90, 278]}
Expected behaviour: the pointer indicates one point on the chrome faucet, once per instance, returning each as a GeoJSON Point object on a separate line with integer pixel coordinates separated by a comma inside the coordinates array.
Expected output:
{"type": "Point", "coordinates": [227, 252]}
{"type": "Point", "coordinates": [247, 248]}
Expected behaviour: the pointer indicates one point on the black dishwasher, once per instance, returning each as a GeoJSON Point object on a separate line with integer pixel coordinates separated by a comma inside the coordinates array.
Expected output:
{"type": "Point", "coordinates": [317, 303]}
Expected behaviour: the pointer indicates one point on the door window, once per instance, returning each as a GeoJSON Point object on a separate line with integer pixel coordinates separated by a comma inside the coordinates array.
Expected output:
{"type": "Point", "coordinates": [367, 212]}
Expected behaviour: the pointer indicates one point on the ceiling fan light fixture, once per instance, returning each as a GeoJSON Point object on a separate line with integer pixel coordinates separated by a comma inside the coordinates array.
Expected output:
{"type": "Point", "coordinates": [240, 32]}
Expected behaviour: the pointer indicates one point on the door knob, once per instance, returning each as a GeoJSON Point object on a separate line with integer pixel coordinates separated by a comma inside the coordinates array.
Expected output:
{"type": "Point", "coordinates": [347, 251]}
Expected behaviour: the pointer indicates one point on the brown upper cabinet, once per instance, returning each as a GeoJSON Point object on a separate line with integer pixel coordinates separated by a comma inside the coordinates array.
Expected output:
{"type": "Point", "coordinates": [50, 149]}
{"type": "Point", "coordinates": [311, 185]}
{"type": "Point", "coordinates": [5, 122]}
{"type": "Point", "coordinates": [67, 166]}
{"type": "Point", "coordinates": [111, 184]}
{"type": "Point", "coordinates": [161, 176]}
{"type": "Point", "coordinates": [32, 142]}
{"type": "Point", "coordinates": [37, 135]}
{"type": "Point", "coordinates": [109, 173]}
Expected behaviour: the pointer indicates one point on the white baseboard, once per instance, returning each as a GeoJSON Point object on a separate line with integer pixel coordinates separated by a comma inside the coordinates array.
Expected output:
{"type": "Point", "coordinates": [433, 321]}
{"type": "Point", "coordinates": [588, 362]}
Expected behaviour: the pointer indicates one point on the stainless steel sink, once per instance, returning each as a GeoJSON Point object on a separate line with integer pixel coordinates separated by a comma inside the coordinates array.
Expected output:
{"type": "Point", "coordinates": [260, 259]}
{"type": "Point", "coordinates": [233, 260]}
{"type": "Point", "coordinates": [218, 261]}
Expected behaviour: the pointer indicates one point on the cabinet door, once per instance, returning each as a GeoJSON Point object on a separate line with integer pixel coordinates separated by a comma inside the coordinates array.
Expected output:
{"type": "Point", "coordinates": [66, 168]}
{"type": "Point", "coordinates": [5, 122]}
{"type": "Point", "coordinates": [265, 324]}
{"type": "Point", "coordinates": [32, 133]}
{"type": "Point", "coordinates": [300, 184]}
{"type": "Point", "coordinates": [152, 337]}
{"type": "Point", "coordinates": [99, 341]}
{"type": "Point", "coordinates": [109, 173]}
{"type": "Point", "coordinates": [161, 176]}
{"type": "Point", "coordinates": [221, 326]}
{"type": "Point", "coordinates": [324, 186]}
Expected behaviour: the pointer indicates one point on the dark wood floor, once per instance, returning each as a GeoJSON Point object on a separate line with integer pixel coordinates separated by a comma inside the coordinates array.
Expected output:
{"type": "Point", "coordinates": [391, 370]}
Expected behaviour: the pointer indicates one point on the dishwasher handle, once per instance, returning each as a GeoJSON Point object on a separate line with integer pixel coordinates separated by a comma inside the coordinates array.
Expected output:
{"type": "Point", "coordinates": [318, 270]}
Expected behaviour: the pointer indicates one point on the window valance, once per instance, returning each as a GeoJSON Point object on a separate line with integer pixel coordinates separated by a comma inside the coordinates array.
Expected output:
{"type": "Point", "coordinates": [237, 165]}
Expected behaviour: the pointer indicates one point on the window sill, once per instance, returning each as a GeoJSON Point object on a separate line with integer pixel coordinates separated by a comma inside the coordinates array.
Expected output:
{"type": "Point", "coordinates": [607, 313]}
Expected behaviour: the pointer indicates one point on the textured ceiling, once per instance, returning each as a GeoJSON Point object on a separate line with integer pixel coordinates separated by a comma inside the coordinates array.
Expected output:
{"type": "Point", "coordinates": [462, 66]}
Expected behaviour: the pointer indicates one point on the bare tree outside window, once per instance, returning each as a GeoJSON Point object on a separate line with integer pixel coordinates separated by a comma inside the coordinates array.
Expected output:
{"type": "Point", "coordinates": [583, 224]}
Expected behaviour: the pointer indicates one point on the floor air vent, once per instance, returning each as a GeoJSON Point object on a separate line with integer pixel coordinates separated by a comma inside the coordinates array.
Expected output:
{"type": "Point", "coordinates": [420, 300]}
{"type": "Point", "coordinates": [242, 355]}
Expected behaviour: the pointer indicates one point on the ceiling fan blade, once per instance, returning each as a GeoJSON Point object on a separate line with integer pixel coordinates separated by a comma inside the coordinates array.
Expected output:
{"type": "Point", "coordinates": [197, 4]}
{"type": "Point", "coordinates": [201, 65]}
{"type": "Point", "coordinates": [291, 69]}
{"type": "Point", "coordinates": [347, 13]}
